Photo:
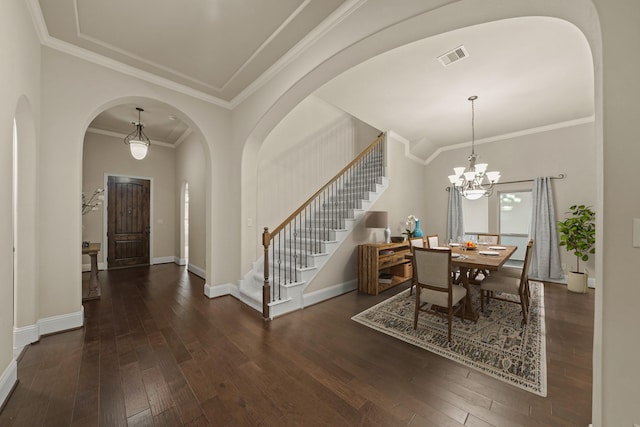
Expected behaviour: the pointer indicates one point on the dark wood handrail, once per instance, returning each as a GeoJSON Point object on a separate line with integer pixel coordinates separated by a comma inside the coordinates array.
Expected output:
{"type": "Point", "coordinates": [336, 176]}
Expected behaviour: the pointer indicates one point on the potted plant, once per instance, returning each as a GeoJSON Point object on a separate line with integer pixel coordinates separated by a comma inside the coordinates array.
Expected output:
{"type": "Point", "coordinates": [578, 235]}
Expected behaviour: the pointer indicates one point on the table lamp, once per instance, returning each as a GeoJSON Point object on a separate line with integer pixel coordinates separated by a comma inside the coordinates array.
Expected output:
{"type": "Point", "coordinates": [379, 219]}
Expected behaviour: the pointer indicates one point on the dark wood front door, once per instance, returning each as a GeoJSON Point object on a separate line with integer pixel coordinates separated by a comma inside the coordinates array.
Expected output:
{"type": "Point", "coordinates": [128, 221]}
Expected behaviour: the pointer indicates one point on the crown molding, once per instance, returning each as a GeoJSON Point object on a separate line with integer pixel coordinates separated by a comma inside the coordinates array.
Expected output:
{"type": "Point", "coordinates": [407, 146]}
{"type": "Point", "coordinates": [325, 26]}
{"type": "Point", "coordinates": [183, 137]}
{"type": "Point", "coordinates": [87, 55]}
{"type": "Point", "coordinates": [531, 131]}
{"type": "Point", "coordinates": [335, 18]}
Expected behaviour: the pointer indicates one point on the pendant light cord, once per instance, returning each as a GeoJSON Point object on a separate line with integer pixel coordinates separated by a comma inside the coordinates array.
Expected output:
{"type": "Point", "coordinates": [473, 128]}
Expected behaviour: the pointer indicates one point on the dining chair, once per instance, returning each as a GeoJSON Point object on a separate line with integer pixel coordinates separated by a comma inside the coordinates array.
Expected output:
{"type": "Point", "coordinates": [489, 239]}
{"type": "Point", "coordinates": [486, 239]}
{"type": "Point", "coordinates": [416, 242]}
{"type": "Point", "coordinates": [434, 286]}
{"type": "Point", "coordinates": [495, 285]}
{"type": "Point", "coordinates": [432, 241]}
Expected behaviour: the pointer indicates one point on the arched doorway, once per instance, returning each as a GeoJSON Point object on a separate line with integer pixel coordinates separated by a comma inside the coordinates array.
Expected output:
{"type": "Point", "coordinates": [173, 138]}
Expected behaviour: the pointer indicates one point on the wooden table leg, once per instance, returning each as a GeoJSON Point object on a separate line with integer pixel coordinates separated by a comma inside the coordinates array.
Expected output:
{"type": "Point", "coordinates": [463, 278]}
{"type": "Point", "coordinates": [93, 291]}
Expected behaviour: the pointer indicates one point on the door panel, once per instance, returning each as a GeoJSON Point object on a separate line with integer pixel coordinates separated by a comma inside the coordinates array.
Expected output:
{"type": "Point", "coordinates": [128, 221]}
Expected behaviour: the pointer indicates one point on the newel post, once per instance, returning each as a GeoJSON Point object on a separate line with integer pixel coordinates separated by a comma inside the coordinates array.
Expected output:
{"type": "Point", "coordinates": [266, 287]}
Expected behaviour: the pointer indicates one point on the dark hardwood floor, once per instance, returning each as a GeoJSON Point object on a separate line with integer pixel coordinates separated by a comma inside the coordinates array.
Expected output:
{"type": "Point", "coordinates": [156, 351]}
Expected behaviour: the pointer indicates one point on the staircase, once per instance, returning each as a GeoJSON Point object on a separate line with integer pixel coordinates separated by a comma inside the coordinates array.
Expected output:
{"type": "Point", "coordinates": [296, 250]}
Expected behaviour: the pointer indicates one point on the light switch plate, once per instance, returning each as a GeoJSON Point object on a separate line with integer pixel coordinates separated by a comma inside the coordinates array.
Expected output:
{"type": "Point", "coordinates": [636, 232]}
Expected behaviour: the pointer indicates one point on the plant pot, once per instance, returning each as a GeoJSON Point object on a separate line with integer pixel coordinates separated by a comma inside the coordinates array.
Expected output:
{"type": "Point", "coordinates": [577, 282]}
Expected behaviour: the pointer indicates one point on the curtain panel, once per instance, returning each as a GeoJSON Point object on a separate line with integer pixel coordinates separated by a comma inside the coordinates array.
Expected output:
{"type": "Point", "coordinates": [545, 259]}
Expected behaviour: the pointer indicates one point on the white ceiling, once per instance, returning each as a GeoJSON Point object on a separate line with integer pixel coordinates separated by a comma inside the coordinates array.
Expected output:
{"type": "Point", "coordinates": [528, 73]}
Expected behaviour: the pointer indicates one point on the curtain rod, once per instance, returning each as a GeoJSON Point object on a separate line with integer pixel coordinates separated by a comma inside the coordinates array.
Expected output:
{"type": "Point", "coordinates": [560, 176]}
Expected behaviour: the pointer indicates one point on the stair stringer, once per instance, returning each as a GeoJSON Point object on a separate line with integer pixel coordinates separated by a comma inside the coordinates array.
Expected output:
{"type": "Point", "coordinates": [250, 287]}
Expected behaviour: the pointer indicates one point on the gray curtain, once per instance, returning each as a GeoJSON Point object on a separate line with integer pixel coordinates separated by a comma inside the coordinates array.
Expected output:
{"type": "Point", "coordinates": [455, 222]}
{"type": "Point", "coordinates": [545, 259]}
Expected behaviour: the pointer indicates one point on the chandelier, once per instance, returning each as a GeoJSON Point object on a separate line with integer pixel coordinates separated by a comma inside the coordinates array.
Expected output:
{"type": "Point", "coordinates": [137, 141]}
{"type": "Point", "coordinates": [474, 181]}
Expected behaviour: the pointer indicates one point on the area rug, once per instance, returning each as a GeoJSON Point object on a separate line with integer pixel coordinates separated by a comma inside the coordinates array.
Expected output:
{"type": "Point", "coordinates": [499, 344]}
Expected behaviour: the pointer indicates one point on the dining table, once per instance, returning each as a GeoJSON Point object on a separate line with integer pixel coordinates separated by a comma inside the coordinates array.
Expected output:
{"type": "Point", "coordinates": [468, 260]}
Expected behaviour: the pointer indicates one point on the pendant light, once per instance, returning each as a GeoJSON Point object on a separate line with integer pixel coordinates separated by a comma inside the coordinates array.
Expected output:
{"type": "Point", "coordinates": [474, 182]}
{"type": "Point", "coordinates": [137, 141]}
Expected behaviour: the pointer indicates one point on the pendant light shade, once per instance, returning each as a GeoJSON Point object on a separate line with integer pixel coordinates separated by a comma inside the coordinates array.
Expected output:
{"type": "Point", "coordinates": [137, 141]}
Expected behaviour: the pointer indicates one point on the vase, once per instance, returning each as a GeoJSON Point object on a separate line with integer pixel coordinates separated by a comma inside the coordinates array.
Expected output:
{"type": "Point", "coordinates": [387, 235]}
{"type": "Point", "coordinates": [417, 232]}
{"type": "Point", "coordinates": [577, 282]}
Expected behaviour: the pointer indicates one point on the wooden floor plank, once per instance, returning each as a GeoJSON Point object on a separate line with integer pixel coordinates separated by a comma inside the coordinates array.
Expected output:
{"type": "Point", "coordinates": [155, 351]}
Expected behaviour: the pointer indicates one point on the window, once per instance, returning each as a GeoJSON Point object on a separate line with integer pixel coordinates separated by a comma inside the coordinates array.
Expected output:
{"type": "Point", "coordinates": [475, 216]}
{"type": "Point", "coordinates": [515, 220]}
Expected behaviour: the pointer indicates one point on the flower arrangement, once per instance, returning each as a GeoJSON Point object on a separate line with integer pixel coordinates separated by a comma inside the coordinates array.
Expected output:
{"type": "Point", "coordinates": [92, 203]}
{"type": "Point", "coordinates": [411, 226]}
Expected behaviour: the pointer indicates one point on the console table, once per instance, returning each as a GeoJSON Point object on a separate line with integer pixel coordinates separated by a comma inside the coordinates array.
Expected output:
{"type": "Point", "coordinates": [92, 290]}
{"type": "Point", "coordinates": [382, 266]}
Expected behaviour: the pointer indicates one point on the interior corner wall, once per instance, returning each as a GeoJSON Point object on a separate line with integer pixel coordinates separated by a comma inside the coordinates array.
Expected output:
{"type": "Point", "coordinates": [190, 168]}
{"type": "Point", "coordinates": [104, 154]}
{"type": "Point", "coordinates": [568, 150]}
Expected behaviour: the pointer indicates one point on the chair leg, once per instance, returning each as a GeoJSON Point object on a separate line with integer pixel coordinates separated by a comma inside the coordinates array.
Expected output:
{"type": "Point", "coordinates": [417, 310]}
{"type": "Point", "coordinates": [525, 307]}
{"type": "Point", "coordinates": [482, 300]}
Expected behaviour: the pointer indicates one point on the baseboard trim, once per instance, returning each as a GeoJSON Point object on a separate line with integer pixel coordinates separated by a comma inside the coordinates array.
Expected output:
{"type": "Point", "coordinates": [8, 381]}
{"type": "Point", "coordinates": [200, 272]}
{"type": "Point", "coordinates": [591, 281]}
{"type": "Point", "coordinates": [162, 260]}
{"type": "Point", "coordinates": [180, 261]}
{"type": "Point", "coordinates": [216, 291]}
{"type": "Point", "coordinates": [324, 294]}
{"type": "Point", "coordinates": [24, 336]}
{"type": "Point", "coordinates": [64, 322]}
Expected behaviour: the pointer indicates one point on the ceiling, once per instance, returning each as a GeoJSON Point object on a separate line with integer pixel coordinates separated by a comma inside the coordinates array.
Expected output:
{"type": "Point", "coordinates": [528, 73]}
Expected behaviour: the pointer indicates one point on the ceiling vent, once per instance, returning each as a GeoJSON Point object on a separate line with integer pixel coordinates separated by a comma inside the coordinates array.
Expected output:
{"type": "Point", "coordinates": [453, 55]}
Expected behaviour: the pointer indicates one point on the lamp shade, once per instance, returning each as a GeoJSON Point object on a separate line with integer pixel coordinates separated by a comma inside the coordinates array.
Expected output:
{"type": "Point", "coordinates": [377, 219]}
{"type": "Point", "coordinates": [138, 149]}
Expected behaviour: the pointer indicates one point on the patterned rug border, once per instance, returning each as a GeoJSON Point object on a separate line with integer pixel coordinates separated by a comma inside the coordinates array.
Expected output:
{"type": "Point", "coordinates": [539, 388]}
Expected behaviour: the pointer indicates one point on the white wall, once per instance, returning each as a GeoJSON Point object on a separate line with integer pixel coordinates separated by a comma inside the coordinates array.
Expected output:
{"type": "Point", "coordinates": [108, 155]}
{"type": "Point", "coordinates": [191, 168]}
